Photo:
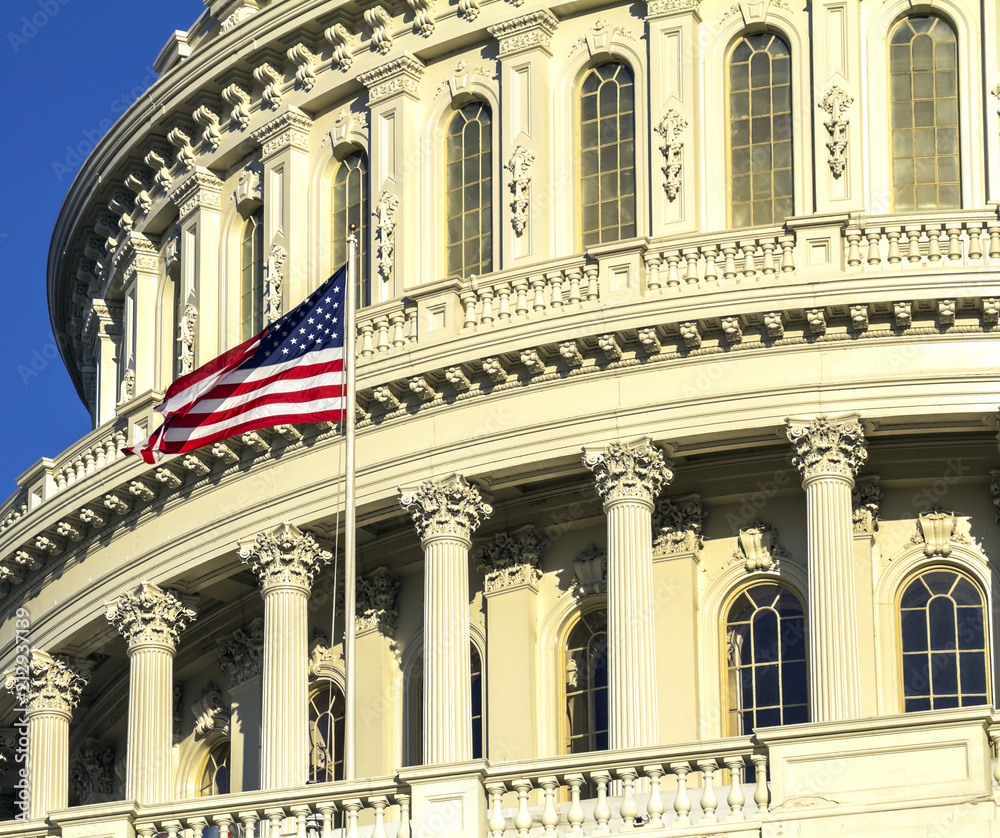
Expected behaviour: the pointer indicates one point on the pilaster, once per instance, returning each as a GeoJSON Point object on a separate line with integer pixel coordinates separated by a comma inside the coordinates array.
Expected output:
{"type": "Point", "coordinates": [629, 476]}
{"type": "Point", "coordinates": [396, 171]}
{"type": "Point", "coordinates": [107, 353]}
{"type": "Point", "coordinates": [285, 561]}
{"type": "Point", "coordinates": [241, 657]}
{"type": "Point", "coordinates": [151, 621]}
{"type": "Point", "coordinates": [446, 514]}
{"type": "Point", "coordinates": [284, 143]}
{"type": "Point", "coordinates": [828, 453]}
{"type": "Point", "coordinates": [137, 264]}
{"type": "Point", "coordinates": [526, 132]}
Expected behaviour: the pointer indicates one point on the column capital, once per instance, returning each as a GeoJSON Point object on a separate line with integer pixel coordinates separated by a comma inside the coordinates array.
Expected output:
{"type": "Point", "coordinates": [48, 684]}
{"type": "Point", "coordinates": [827, 446]}
{"type": "Point", "coordinates": [664, 8]}
{"type": "Point", "coordinates": [287, 130]}
{"type": "Point", "coordinates": [199, 189]}
{"type": "Point", "coordinates": [376, 601]}
{"type": "Point", "coordinates": [451, 508]}
{"type": "Point", "coordinates": [628, 471]}
{"type": "Point", "coordinates": [136, 254]}
{"type": "Point", "coordinates": [531, 31]}
{"type": "Point", "coordinates": [149, 615]}
{"type": "Point", "coordinates": [511, 559]}
{"type": "Point", "coordinates": [284, 556]}
{"type": "Point", "coordinates": [240, 656]}
{"type": "Point", "coordinates": [399, 76]}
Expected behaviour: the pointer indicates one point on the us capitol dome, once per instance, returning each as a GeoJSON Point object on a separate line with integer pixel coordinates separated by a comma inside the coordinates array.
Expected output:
{"type": "Point", "coordinates": [677, 392]}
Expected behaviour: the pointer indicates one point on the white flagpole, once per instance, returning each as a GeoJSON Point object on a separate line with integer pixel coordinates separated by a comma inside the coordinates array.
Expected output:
{"type": "Point", "coordinates": [350, 572]}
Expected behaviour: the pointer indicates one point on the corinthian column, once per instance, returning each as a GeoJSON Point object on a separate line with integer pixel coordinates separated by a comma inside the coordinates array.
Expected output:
{"type": "Point", "coordinates": [151, 620]}
{"type": "Point", "coordinates": [629, 477]}
{"type": "Point", "coordinates": [828, 453]}
{"type": "Point", "coordinates": [446, 514]}
{"type": "Point", "coordinates": [47, 690]}
{"type": "Point", "coordinates": [285, 561]}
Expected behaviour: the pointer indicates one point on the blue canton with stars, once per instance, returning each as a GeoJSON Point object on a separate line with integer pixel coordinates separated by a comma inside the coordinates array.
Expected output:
{"type": "Point", "coordinates": [314, 324]}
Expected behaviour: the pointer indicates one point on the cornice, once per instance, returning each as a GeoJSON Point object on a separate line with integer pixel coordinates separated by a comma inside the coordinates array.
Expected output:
{"type": "Point", "coordinates": [200, 189]}
{"type": "Point", "coordinates": [530, 31]}
{"type": "Point", "coordinates": [288, 130]}
{"type": "Point", "coordinates": [399, 76]}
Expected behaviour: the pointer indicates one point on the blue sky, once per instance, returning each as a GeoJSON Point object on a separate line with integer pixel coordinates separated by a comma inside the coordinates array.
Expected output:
{"type": "Point", "coordinates": [70, 66]}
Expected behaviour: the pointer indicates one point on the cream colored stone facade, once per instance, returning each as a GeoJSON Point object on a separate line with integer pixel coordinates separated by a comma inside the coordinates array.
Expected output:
{"type": "Point", "coordinates": [644, 428]}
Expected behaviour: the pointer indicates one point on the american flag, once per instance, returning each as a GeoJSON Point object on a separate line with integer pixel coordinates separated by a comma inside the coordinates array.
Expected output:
{"type": "Point", "coordinates": [293, 371]}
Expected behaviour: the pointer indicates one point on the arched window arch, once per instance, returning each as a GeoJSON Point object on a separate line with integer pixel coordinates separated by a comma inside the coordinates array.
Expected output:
{"type": "Point", "coordinates": [469, 190]}
{"type": "Point", "coordinates": [943, 650]}
{"type": "Point", "coordinates": [350, 202]}
{"type": "Point", "coordinates": [923, 80]}
{"type": "Point", "coordinates": [767, 680]}
{"type": "Point", "coordinates": [586, 680]}
{"type": "Point", "coordinates": [607, 154]}
{"type": "Point", "coordinates": [326, 733]}
{"type": "Point", "coordinates": [214, 778]}
{"type": "Point", "coordinates": [252, 275]}
{"type": "Point", "coordinates": [760, 130]}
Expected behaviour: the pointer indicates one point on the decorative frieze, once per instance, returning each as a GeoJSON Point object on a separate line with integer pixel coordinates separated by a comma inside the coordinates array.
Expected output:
{"type": "Point", "coordinates": [452, 508]}
{"type": "Point", "coordinates": [757, 548]}
{"type": "Point", "coordinates": [375, 604]}
{"type": "Point", "coordinates": [272, 284]}
{"type": "Point", "coordinates": [284, 556]}
{"type": "Point", "coordinates": [511, 559]}
{"type": "Point", "coordinates": [402, 75]}
{"type": "Point", "coordinates": [828, 445]}
{"type": "Point", "coordinates": [590, 571]}
{"type": "Point", "coordinates": [518, 165]}
{"type": "Point", "coordinates": [835, 104]}
{"type": "Point", "coordinates": [241, 655]}
{"type": "Point", "coordinates": [288, 130]}
{"type": "Point", "coordinates": [48, 683]}
{"type": "Point", "coordinates": [677, 526]}
{"type": "Point", "coordinates": [526, 32]}
{"type": "Point", "coordinates": [939, 532]}
{"type": "Point", "coordinates": [656, 8]}
{"type": "Point", "coordinates": [200, 189]}
{"type": "Point", "coordinates": [670, 128]}
{"type": "Point", "coordinates": [866, 499]}
{"type": "Point", "coordinates": [385, 227]}
{"type": "Point", "coordinates": [628, 471]}
{"type": "Point", "coordinates": [92, 773]}
{"type": "Point", "coordinates": [149, 615]}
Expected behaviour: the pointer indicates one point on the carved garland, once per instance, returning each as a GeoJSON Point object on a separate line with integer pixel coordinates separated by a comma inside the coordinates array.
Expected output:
{"type": "Point", "coordinates": [670, 129]}
{"type": "Point", "coordinates": [835, 104]}
{"type": "Point", "coordinates": [518, 165]}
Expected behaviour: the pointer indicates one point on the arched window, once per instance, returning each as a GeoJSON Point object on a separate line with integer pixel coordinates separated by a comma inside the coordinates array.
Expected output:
{"type": "Point", "coordinates": [760, 131]}
{"type": "Point", "coordinates": [923, 77]}
{"type": "Point", "coordinates": [766, 659]}
{"type": "Point", "coordinates": [469, 190]}
{"type": "Point", "coordinates": [350, 206]}
{"type": "Point", "coordinates": [215, 774]}
{"type": "Point", "coordinates": [942, 620]}
{"type": "Point", "coordinates": [326, 734]}
{"type": "Point", "coordinates": [586, 669]}
{"type": "Point", "coordinates": [252, 275]}
{"type": "Point", "coordinates": [607, 154]}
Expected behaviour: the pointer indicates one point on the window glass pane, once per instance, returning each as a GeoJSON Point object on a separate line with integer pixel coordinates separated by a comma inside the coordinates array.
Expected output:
{"type": "Point", "coordinates": [586, 669]}
{"type": "Point", "coordinates": [350, 206]}
{"type": "Point", "coordinates": [468, 190]}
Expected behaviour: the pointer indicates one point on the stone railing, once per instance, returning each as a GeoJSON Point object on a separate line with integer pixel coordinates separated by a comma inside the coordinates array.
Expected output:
{"type": "Point", "coordinates": [609, 792]}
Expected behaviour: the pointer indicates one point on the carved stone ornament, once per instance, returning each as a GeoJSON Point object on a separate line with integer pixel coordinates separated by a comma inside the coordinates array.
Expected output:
{"type": "Point", "coordinates": [677, 526]}
{"type": "Point", "coordinates": [185, 338]}
{"type": "Point", "coordinates": [670, 129]}
{"type": "Point", "coordinates": [511, 559]}
{"type": "Point", "coordinates": [240, 656]}
{"type": "Point", "coordinates": [449, 509]}
{"type": "Point", "coordinates": [400, 76]}
{"type": "Point", "coordinates": [92, 773]}
{"type": "Point", "coordinates": [590, 569]}
{"type": "Point", "coordinates": [995, 491]}
{"type": "Point", "coordinates": [236, 96]}
{"type": "Point", "coordinates": [272, 284]}
{"type": "Point", "coordinates": [210, 714]}
{"type": "Point", "coordinates": [149, 615]}
{"type": "Point", "coordinates": [518, 165]}
{"type": "Point", "coordinates": [287, 130]}
{"type": "Point", "coordinates": [827, 445]}
{"type": "Point", "coordinates": [342, 40]}
{"type": "Point", "coordinates": [385, 227]}
{"type": "Point", "coordinates": [375, 603]}
{"type": "Point", "coordinates": [423, 17]}
{"type": "Point", "coordinates": [322, 659]}
{"type": "Point", "coordinates": [530, 31]}
{"type": "Point", "coordinates": [273, 81]}
{"type": "Point", "coordinates": [285, 556]}
{"type": "Point", "coordinates": [469, 9]}
{"type": "Point", "coordinates": [835, 103]}
{"type": "Point", "coordinates": [381, 25]}
{"type": "Point", "coordinates": [628, 471]}
{"type": "Point", "coordinates": [866, 499]}
{"type": "Point", "coordinates": [939, 531]}
{"type": "Point", "coordinates": [757, 548]}
{"type": "Point", "coordinates": [128, 384]}
{"type": "Point", "coordinates": [654, 8]}
{"type": "Point", "coordinates": [48, 683]}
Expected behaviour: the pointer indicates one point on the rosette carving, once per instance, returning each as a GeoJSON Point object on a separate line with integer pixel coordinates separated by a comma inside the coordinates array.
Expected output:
{"type": "Point", "coordinates": [149, 614]}
{"type": "Point", "coordinates": [636, 471]}
{"type": "Point", "coordinates": [48, 683]}
{"type": "Point", "coordinates": [284, 556]}
{"type": "Point", "coordinates": [450, 508]}
{"type": "Point", "coordinates": [828, 445]}
{"type": "Point", "coordinates": [511, 559]}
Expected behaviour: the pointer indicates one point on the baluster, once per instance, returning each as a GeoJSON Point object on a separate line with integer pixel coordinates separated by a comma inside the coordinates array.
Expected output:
{"type": "Point", "coordinates": [574, 814]}
{"type": "Point", "coordinates": [768, 267]}
{"type": "Point", "coordinates": [366, 339]}
{"type": "Point", "coordinates": [496, 823]}
{"type": "Point", "coordinates": [549, 815]}
{"type": "Point", "coordinates": [249, 821]}
{"type": "Point", "coordinates": [994, 232]}
{"type": "Point", "coordinates": [910, 244]}
{"type": "Point", "coordinates": [762, 796]}
{"type": "Point", "coordinates": [555, 279]}
{"type": "Point", "coordinates": [60, 480]}
{"type": "Point", "coordinates": [197, 826]}
{"type": "Point", "coordinates": [172, 828]}
{"type": "Point", "coordinates": [70, 474]}
{"type": "Point", "coordinates": [382, 341]}
{"type": "Point", "coordinates": [146, 830]}
{"type": "Point", "coordinates": [573, 275]}
{"type": "Point", "coordinates": [503, 311]}
{"type": "Point", "coordinates": [538, 286]}
{"type": "Point", "coordinates": [522, 820]}
{"type": "Point", "coordinates": [787, 254]}
{"type": "Point", "coordinates": [326, 809]}
{"type": "Point", "coordinates": [893, 234]}
{"type": "Point", "coordinates": [673, 277]}
{"type": "Point", "coordinates": [653, 262]}
{"type": "Point", "coordinates": [88, 461]}
{"type": "Point", "coordinates": [955, 243]}
{"type": "Point", "coordinates": [411, 324]}
{"type": "Point", "coordinates": [736, 798]}
{"type": "Point", "coordinates": [692, 254]}
{"type": "Point", "coordinates": [486, 295]}
{"type": "Point", "coordinates": [404, 816]}
{"type": "Point", "coordinates": [654, 806]}
{"type": "Point", "coordinates": [629, 809]}
{"type": "Point", "coordinates": [301, 811]}
{"type": "Point", "coordinates": [709, 800]}
{"type": "Point", "coordinates": [274, 818]}
{"type": "Point", "coordinates": [398, 333]}
{"type": "Point", "coordinates": [975, 242]}
{"type": "Point", "coordinates": [874, 254]}
{"type": "Point", "coordinates": [468, 300]}
{"type": "Point", "coordinates": [81, 469]}
{"type": "Point", "coordinates": [682, 803]}
{"type": "Point", "coordinates": [352, 807]}
{"type": "Point", "coordinates": [379, 803]}
{"type": "Point", "coordinates": [593, 289]}
{"type": "Point", "coordinates": [749, 264]}
{"type": "Point", "coordinates": [729, 251]}
{"type": "Point", "coordinates": [521, 306]}
{"type": "Point", "coordinates": [711, 268]}
{"type": "Point", "coordinates": [934, 248]}
{"type": "Point", "coordinates": [853, 247]}
{"type": "Point", "coordinates": [225, 824]}
{"type": "Point", "coordinates": [101, 456]}
{"type": "Point", "coordinates": [602, 812]}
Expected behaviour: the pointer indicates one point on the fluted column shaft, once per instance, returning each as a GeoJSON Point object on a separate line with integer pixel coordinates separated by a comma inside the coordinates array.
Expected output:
{"type": "Point", "coordinates": [150, 723]}
{"type": "Point", "coordinates": [48, 761]}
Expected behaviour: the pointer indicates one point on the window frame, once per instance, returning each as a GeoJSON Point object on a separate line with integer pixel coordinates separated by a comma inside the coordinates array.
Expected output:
{"type": "Point", "coordinates": [564, 729]}
{"type": "Point", "coordinates": [365, 285]}
{"type": "Point", "coordinates": [213, 746]}
{"type": "Point", "coordinates": [257, 279]}
{"type": "Point", "coordinates": [316, 687]}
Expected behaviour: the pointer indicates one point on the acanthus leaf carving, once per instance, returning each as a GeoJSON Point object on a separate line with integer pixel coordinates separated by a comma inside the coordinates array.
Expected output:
{"type": "Point", "coordinates": [670, 128]}
{"type": "Point", "coordinates": [241, 655]}
{"type": "Point", "coordinates": [835, 104]}
{"type": "Point", "coordinates": [375, 604]}
{"type": "Point", "coordinates": [342, 41]}
{"type": "Point", "coordinates": [185, 338]}
{"type": "Point", "coordinates": [284, 556]}
{"type": "Point", "coordinates": [827, 445]}
{"type": "Point", "coordinates": [511, 559]}
{"type": "Point", "coordinates": [757, 548]}
{"type": "Point", "coordinates": [238, 99]}
{"type": "Point", "coordinates": [178, 138]}
{"type": "Point", "coordinates": [866, 500]}
{"type": "Point", "coordinates": [590, 570]}
{"type": "Point", "coordinates": [137, 184]}
{"type": "Point", "coordinates": [940, 531]}
{"type": "Point", "coordinates": [450, 508]}
{"type": "Point", "coordinates": [628, 471]}
{"type": "Point", "coordinates": [273, 81]}
{"type": "Point", "coordinates": [518, 165]}
{"type": "Point", "coordinates": [210, 714]}
{"type": "Point", "coordinates": [47, 683]}
{"type": "Point", "coordinates": [423, 16]}
{"type": "Point", "coordinates": [272, 284]}
{"type": "Point", "coordinates": [209, 122]}
{"type": "Point", "coordinates": [385, 227]}
{"type": "Point", "coordinates": [149, 615]}
{"type": "Point", "coordinates": [678, 525]}
{"type": "Point", "coordinates": [469, 9]}
{"type": "Point", "coordinates": [305, 65]}
{"type": "Point", "coordinates": [92, 773]}
{"type": "Point", "coordinates": [381, 25]}
{"type": "Point", "coordinates": [156, 160]}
